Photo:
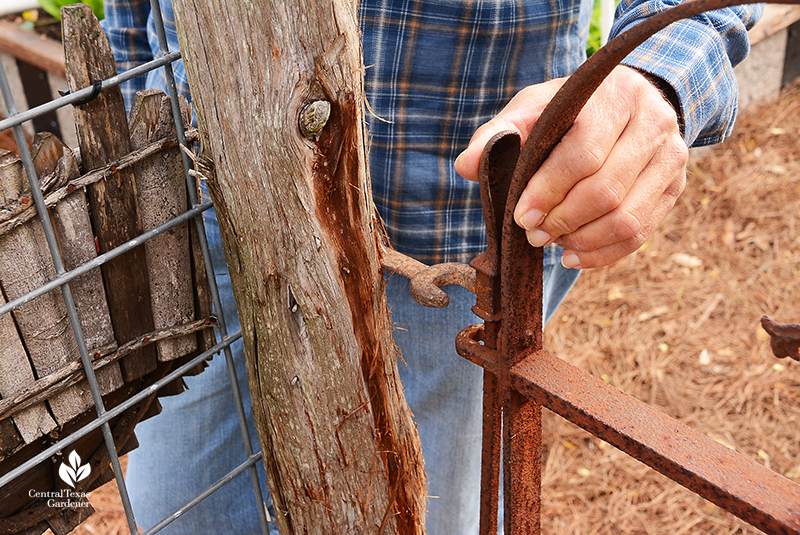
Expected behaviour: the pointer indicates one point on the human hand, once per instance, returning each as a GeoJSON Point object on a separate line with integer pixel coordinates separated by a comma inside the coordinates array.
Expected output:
{"type": "Point", "coordinates": [609, 182]}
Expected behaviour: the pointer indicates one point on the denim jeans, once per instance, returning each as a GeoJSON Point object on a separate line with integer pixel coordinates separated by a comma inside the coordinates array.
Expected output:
{"type": "Point", "coordinates": [445, 394]}
{"type": "Point", "coordinates": [196, 439]}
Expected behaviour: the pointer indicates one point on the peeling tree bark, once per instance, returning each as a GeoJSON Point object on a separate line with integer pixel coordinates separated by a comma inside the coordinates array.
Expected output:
{"type": "Point", "coordinates": [301, 234]}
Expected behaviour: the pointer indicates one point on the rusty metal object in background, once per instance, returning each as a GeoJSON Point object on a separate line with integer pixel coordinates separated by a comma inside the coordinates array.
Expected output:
{"type": "Point", "coordinates": [784, 338]}
{"type": "Point", "coordinates": [520, 377]}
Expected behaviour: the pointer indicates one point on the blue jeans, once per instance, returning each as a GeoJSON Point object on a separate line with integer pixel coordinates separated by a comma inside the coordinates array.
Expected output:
{"type": "Point", "coordinates": [196, 439]}
{"type": "Point", "coordinates": [445, 394]}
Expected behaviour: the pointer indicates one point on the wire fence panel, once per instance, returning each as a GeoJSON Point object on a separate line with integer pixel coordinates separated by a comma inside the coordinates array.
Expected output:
{"type": "Point", "coordinates": [31, 446]}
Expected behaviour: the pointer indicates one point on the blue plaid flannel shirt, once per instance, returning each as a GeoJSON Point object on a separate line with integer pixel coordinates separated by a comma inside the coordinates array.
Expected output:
{"type": "Point", "coordinates": [438, 69]}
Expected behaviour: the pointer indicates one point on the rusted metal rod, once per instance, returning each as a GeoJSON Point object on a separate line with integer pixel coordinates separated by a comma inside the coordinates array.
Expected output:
{"type": "Point", "coordinates": [496, 168]}
{"type": "Point", "coordinates": [521, 268]}
{"type": "Point", "coordinates": [734, 482]}
{"type": "Point", "coordinates": [520, 377]}
{"type": "Point", "coordinates": [426, 281]}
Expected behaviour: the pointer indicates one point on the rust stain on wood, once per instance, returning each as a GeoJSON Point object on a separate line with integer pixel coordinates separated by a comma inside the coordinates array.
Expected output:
{"type": "Point", "coordinates": [339, 207]}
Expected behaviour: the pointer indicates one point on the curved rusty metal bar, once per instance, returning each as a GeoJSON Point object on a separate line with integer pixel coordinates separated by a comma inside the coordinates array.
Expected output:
{"type": "Point", "coordinates": [560, 113]}
{"type": "Point", "coordinates": [554, 122]}
{"type": "Point", "coordinates": [521, 281]}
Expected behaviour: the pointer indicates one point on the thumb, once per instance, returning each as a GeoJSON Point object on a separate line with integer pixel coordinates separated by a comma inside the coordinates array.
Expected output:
{"type": "Point", "coordinates": [519, 115]}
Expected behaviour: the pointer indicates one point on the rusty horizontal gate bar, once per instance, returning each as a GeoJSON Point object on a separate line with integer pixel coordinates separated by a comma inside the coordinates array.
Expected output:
{"type": "Point", "coordinates": [736, 483]}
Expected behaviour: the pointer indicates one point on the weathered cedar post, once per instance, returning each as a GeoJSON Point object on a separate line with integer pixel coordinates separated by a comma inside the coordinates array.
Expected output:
{"type": "Point", "coordinates": [300, 233]}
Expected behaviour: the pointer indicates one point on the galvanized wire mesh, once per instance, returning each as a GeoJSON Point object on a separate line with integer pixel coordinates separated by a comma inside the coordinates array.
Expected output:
{"type": "Point", "coordinates": [63, 278]}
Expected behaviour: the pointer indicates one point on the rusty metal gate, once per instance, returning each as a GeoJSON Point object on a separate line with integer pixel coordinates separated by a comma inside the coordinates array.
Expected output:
{"type": "Point", "coordinates": [520, 376]}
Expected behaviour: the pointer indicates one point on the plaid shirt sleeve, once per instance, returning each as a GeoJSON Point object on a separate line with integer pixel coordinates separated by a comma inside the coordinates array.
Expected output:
{"type": "Point", "coordinates": [131, 32]}
{"type": "Point", "coordinates": [125, 25]}
{"type": "Point", "coordinates": [696, 57]}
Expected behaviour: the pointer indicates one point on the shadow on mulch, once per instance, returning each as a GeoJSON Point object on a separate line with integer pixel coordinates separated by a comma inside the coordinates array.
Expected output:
{"type": "Point", "coordinates": [677, 325]}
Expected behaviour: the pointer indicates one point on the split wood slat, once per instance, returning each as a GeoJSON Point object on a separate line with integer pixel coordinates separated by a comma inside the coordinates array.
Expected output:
{"type": "Point", "coordinates": [10, 439]}
{"type": "Point", "coordinates": [43, 323]}
{"type": "Point", "coordinates": [16, 374]}
{"type": "Point", "coordinates": [64, 524]}
{"type": "Point", "coordinates": [161, 186]}
{"type": "Point", "coordinates": [102, 129]}
{"type": "Point", "coordinates": [76, 241]}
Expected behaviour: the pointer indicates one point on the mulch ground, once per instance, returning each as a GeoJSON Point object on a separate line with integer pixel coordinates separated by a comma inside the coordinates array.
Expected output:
{"type": "Point", "coordinates": [677, 325]}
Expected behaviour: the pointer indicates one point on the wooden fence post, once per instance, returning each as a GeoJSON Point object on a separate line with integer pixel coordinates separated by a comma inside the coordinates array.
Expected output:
{"type": "Point", "coordinates": [278, 88]}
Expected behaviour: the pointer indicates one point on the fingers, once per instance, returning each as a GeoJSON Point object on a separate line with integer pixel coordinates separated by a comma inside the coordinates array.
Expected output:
{"type": "Point", "coordinates": [587, 175]}
{"type": "Point", "coordinates": [519, 116]}
{"type": "Point", "coordinates": [604, 144]}
{"type": "Point", "coordinates": [612, 178]}
{"type": "Point", "coordinates": [623, 230]}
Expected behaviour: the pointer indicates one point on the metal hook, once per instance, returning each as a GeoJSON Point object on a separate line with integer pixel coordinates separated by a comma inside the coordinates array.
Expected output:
{"type": "Point", "coordinates": [426, 281]}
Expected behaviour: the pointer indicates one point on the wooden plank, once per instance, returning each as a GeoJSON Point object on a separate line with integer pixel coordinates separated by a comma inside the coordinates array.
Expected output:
{"type": "Point", "coordinates": [76, 241]}
{"type": "Point", "coordinates": [47, 54]}
{"type": "Point", "coordinates": [10, 439]}
{"type": "Point", "coordinates": [103, 137]}
{"type": "Point", "coordinates": [775, 19]}
{"type": "Point", "coordinates": [69, 518]}
{"type": "Point", "coordinates": [43, 323]}
{"type": "Point", "coordinates": [161, 186]}
{"type": "Point", "coordinates": [16, 374]}
{"type": "Point", "coordinates": [16, 495]}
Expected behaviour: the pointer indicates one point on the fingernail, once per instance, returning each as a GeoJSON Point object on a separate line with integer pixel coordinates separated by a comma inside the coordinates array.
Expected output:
{"type": "Point", "coordinates": [571, 260]}
{"type": "Point", "coordinates": [532, 219]}
{"type": "Point", "coordinates": [457, 165]}
{"type": "Point", "coordinates": [538, 238]}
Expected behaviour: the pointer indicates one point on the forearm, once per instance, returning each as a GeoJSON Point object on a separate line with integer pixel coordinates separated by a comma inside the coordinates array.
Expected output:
{"type": "Point", "coordinates": [695, 57]}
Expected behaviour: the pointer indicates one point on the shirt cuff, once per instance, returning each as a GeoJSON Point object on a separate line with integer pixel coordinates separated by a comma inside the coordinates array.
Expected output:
{"type": "Point", "coordinates": [696, 58]}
